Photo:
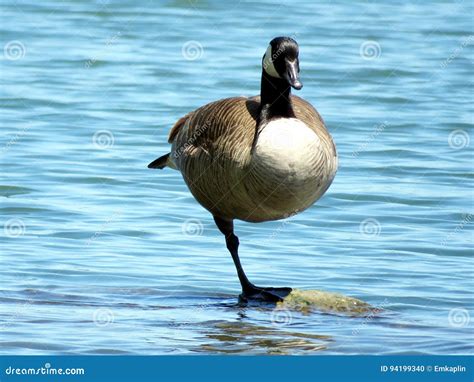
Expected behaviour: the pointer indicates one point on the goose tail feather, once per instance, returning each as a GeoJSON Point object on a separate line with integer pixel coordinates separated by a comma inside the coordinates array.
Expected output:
{"type": "Point", "coordinates": [161, 162]}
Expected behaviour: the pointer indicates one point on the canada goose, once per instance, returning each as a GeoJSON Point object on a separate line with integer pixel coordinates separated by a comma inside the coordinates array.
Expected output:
{"type": "Point", "coordinates": [255, 159]}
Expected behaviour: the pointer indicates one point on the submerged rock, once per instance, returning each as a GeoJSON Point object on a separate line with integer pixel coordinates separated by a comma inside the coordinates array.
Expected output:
{"type": "Point", "coordinates": [329, 302]}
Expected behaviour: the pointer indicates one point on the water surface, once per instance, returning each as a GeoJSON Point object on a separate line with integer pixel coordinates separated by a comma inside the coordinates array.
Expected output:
{"type": "Point", "coordinates": [100, 255]}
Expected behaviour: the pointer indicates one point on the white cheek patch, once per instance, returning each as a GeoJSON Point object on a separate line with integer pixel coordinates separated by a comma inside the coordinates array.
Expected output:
{"type": "Point", "coordinates": [268, 63]}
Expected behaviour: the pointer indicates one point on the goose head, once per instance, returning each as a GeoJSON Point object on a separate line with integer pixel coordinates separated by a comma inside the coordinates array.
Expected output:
{"type": "Point", "coordinates": [281, 61]}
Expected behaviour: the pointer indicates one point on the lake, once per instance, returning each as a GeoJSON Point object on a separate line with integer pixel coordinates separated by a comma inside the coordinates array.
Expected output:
{"type": "Point", "coordinates": [100, 255]}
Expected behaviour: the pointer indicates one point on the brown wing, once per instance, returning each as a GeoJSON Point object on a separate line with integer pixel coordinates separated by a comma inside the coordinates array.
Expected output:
{"type": "Point", "coordinates": [215, 129]}
{"type": "Point", "coordinates": [176, 127]}
{"type": "Point", "coordinates": [211, 147]}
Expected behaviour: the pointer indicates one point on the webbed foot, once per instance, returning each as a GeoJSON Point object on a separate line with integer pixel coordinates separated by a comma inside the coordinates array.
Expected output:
{"type": "Point", "coordinates": [268, 294]}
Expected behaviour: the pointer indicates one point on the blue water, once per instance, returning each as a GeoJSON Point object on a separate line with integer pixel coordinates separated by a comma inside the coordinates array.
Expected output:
{"type": "Point", "coordinates": [100, 255]}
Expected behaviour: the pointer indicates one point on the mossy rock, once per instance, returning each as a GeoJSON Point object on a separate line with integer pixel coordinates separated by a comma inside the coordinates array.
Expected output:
{"type": "Point", "coordinates": [328, 302]}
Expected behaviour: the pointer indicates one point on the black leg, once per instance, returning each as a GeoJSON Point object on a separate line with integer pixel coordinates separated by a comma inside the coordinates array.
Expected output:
{"type": "Point", "coordinates": [249, 291]}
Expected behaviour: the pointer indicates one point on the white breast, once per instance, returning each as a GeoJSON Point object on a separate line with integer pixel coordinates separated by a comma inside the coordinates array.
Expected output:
{"type": "Point", "coordinates": [291, 169]}
{"type": "Point", "coordinates": [287, 147]}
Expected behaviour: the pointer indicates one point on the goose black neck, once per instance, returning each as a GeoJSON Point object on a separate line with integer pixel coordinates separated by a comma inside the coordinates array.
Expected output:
{"type": "Point", "coordinates": [274, 98]}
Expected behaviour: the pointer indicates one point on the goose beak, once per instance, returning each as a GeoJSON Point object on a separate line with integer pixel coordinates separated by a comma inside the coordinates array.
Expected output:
{"type": "Point", "coordinates": [292, 74]}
